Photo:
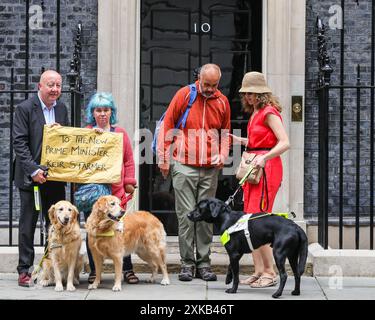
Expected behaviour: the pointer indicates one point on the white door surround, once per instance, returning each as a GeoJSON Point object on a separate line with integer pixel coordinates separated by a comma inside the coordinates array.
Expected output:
{"type": "Point", "coordinates": [283, 64]}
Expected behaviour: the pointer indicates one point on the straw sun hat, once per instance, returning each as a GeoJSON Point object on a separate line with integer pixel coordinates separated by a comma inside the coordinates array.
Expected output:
{"type": "Point", "coordinates": [254, 82]}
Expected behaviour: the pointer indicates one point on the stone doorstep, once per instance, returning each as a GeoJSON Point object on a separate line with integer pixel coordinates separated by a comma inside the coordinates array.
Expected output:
{"type": "Point", "coordinates": [219, 265]}
{"type": "Point", "coordinates": [219, 260]}
{"type": "Point", "coordinates": [337, 263]}
{"type": "Point", "coordinates": [320, 262]}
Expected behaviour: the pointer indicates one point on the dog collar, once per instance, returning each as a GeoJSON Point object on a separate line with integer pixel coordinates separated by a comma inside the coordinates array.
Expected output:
{"type": "Point", "coordinates": [109, 233]}
{"type": "Point", "coordinates": [113, 218]}
{"type": "Point", "coordinates": [55, 245]}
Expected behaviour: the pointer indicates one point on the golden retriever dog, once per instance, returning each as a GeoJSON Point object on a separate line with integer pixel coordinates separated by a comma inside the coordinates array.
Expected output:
{"type": "Point", "coordinates": [63, 263]}
{"type": "Point", "coordinates": [138, 232]}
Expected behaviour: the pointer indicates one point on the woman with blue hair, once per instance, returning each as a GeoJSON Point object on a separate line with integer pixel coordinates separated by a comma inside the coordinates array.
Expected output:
{"type": "Point", "coordinates": [101, 100]}
{"type": "Point", "coordinates": [101, 116]}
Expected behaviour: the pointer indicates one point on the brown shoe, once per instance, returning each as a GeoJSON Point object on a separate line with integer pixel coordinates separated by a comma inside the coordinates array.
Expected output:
{"type": "Point", "coordinates": [24, 279]}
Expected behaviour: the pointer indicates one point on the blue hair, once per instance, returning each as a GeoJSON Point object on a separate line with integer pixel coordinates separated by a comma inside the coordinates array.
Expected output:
{"type": "Point", "coordinates": [101, 100]}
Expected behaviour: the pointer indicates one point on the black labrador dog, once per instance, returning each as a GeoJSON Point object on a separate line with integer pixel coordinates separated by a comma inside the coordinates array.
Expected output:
{"type": "Point", "coordinates": [287, 239]}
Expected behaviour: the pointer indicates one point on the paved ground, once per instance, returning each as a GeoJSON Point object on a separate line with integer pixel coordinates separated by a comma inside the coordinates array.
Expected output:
{"type": "Point", "coordinates": [312, 288]}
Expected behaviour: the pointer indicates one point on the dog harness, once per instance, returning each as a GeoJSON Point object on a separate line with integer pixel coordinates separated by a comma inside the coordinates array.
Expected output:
{"type": "Point", "coordinates": [243, 225]}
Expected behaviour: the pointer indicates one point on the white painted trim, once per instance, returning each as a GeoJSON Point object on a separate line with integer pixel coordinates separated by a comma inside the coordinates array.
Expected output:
{"type": "Point", "coordinates": [119, 67]}
{"type": "Point", "coordinates": [264, 35]}
{"type": "Point", "coordinates": [137, 77]}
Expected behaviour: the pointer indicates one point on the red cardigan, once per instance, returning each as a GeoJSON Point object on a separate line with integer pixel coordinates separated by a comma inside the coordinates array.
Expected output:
{"type": "Point", "coordinates": [128, 167]}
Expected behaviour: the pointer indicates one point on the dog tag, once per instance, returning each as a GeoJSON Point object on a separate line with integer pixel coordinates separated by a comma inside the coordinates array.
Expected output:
{"type": "Point", "coordinates": [120, 226]}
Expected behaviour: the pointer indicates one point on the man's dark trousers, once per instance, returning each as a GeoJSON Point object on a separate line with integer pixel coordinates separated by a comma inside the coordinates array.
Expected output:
{"type": "Point", "coordinates": [51, 192]}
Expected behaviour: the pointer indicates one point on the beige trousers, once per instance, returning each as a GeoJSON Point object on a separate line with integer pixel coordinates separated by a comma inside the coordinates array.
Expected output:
{"type": "Point", "coordinates": [192, 184]}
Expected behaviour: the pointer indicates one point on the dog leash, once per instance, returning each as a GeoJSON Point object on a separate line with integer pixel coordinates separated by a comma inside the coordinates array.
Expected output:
{"type": "Point", "coordinates": [264, 194]}
{"type": "Point", "coordinates": [263, 205]}
{"type": "Point", "coordinates": [240, 184]}
{"type": "Point", "coordinates": [38, 267]}
{"type": "Point", "coordinates": [132, 196]}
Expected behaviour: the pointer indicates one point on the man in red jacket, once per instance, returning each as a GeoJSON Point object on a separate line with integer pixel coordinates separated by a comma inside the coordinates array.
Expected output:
{"type": "Point", "coordinates": [199, 151]}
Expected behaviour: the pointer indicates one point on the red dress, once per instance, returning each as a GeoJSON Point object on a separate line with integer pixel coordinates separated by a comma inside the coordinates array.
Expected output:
{"type": "Point", "coordinates": [261, 136]}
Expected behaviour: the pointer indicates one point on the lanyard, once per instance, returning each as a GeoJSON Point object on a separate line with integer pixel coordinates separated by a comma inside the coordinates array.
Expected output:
{"type": "Point", "coordinates": [37, 199]}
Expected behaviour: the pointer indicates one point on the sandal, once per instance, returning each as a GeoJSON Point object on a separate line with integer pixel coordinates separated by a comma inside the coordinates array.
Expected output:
{"type": "Point", "coordinates": [250, 279]}
{"type": "Point", "coordinates": [130, 277]}
{"type": "Point", "coordinates": [91, 277]}
{"type": "Point", "coordinates": [264, 282]}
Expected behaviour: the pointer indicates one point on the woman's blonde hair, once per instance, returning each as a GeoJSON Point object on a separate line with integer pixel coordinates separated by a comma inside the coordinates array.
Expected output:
{"type": "Point", "coordinates": [263, 99]}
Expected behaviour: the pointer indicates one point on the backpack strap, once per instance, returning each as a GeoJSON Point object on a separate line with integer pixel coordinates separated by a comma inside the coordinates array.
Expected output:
{"type": "Point", "coordinates": [182, 120]}
{"type": "Point", "coordinates": [193, 95]}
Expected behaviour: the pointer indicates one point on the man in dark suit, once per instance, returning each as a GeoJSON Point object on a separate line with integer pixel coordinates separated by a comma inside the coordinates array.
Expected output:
{"type": "Point", "coordinates": [29, 119]}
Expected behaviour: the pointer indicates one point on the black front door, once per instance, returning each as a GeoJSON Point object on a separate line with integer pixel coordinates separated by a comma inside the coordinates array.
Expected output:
{"type": "Point", "coordinates": [177, 37]}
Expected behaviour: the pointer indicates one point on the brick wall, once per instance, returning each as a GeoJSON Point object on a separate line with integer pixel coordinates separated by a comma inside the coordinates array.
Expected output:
{"type": "Point", "coordinates": [42, 44]}
{"type": "Point", "coordinates": [357, 39]}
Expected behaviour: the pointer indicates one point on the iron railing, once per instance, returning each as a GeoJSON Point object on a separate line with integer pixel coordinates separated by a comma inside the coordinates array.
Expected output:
{"type": "Point", "coordinates": [332, 162]}
{"type": "Point", "coordinates": [76, 96]}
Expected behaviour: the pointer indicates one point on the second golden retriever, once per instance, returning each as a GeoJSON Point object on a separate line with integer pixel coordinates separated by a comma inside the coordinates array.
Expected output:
{"type": "Point", "coordinates": [139, 232]}
{"type": "Point", "coordinates": [63, 263]}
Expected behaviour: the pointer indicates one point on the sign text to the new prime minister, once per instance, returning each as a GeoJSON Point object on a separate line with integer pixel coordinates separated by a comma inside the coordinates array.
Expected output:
{"type": "Point", "coordinates": [82, 155]}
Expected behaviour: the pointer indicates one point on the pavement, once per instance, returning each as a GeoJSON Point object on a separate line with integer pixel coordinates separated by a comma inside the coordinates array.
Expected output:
{"type": "Point", "coordinates": [312, 288]}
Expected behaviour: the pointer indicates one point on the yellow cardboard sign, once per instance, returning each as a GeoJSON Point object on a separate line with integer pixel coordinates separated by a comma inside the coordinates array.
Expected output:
{"type": "Point", "coordinates": [82, 155]}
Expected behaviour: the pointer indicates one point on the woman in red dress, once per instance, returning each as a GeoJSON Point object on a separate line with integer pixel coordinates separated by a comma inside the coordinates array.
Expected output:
{"type": "Point", "coordinates": [267, 138]}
